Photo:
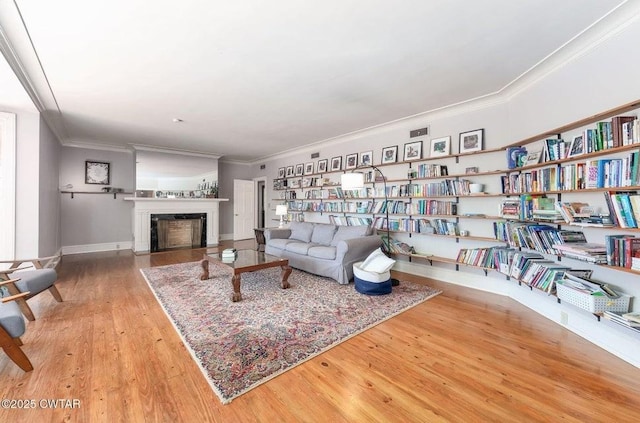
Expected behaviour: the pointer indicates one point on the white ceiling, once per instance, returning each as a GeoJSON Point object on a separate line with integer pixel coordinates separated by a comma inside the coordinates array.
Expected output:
{"type": "Point", "coordinates": [251, 78]}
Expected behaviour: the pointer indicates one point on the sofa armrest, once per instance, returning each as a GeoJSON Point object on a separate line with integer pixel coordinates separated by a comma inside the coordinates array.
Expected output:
{"type": "Point", "coordinates": [276, 233]}
{"type": "Point", "coordinates": [356, 249]}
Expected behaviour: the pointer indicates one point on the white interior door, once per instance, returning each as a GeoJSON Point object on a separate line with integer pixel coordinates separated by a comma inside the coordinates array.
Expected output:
{"type": "Point", "coordinates": [243, 209]}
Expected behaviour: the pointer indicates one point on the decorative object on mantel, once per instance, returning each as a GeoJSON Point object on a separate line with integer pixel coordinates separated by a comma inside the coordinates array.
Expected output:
{"type": "Point", "coordinates": [272, 330]}
{"type": "Point", "coordinates": [97, 172]}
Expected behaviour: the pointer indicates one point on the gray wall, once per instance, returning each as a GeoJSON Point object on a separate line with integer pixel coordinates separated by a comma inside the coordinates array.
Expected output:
{"type": "Point", "coordinates": [93, 220]}
{"type": "Point", "coordinates": [227, 172]}
{"type": "Point", "coordinates": [49, 222]}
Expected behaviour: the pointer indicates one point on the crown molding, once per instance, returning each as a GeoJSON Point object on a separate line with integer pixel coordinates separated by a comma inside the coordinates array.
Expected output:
{"type": "Point", "coordinates": [608, 26]}
{"type": "Point", "coordinates": [143, 147]}
{"type": "Point", "coordinates": [17, 49]}
{"type": "Point", "coordinates": [98, 146]}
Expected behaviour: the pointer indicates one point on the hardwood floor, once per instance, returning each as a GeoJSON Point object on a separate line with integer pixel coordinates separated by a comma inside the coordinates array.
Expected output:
{"type": "Point", "coordinates": [463, 356]}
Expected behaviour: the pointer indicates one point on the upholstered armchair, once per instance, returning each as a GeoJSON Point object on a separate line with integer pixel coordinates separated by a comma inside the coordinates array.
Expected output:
{"type": "Point", "coordinates": [12, 327]}
{"type": "Point", "coordinates": [36, 276]}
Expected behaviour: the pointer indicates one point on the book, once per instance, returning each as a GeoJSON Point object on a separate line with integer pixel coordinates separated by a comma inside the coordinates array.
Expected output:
{"type": "Point", "coordinates": [619, 317]}
{"type": "Point", "coordinates": [634, 316]}
{"type": "Point", "coordinates": [617, 123]}
{"type": "Point", "coordinates": [515, 157]}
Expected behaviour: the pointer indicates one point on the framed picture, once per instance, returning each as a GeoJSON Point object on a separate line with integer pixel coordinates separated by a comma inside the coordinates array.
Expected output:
{"type": "Point", "coordinates": [281, 172]}
{"type": "Point", "coordinates": [351, 161]}
{"type": "Point", "coordinates": [97, 172]}
{"type": "Point", "coordinates": [289, 171]}
{"type": "Point", "coordinates": [322, 165]}
{"type": "Point", "coordinates": [413, 151]}
{"type": "Point", "coordinates": [440, 147]}
{"type": "Point", "coordinates": [366, 158]}
{"type": "Point", "coordinates": [299, 169]}
{"type": "Point", "coordinates": [308, 168]}
{"type": "Point", "coordinates": [577, 146]}
{"type": "Point", "coordinates": [471, 141]}
{"type": "Point", "coordinates": [533, 158]}
{"type": "Point", "coordinates": [389, 155]}
{"type": "Point", "coordinates": [336, 163]}
{"type": "Point", "coordinates": [472, 169]}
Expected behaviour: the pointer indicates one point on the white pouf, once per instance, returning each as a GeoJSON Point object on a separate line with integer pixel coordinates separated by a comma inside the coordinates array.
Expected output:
{"type": "Point", "coordinates": [371, 283]}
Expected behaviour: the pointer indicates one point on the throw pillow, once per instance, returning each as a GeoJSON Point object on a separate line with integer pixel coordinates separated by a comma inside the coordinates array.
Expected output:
{"type": "Point", "coordinates": [301, 231]}
{"type": "Point", "coordinates": [323, 233]}
{"type": "Point", "coordinates": [371, 257]}
{"type": "Point", "coordinates": [379, 264]}
{"type": "Point", "coordinates": [349, 232]}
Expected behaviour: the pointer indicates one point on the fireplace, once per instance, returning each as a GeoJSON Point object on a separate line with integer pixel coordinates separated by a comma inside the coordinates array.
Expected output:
{"type": "Point", "coordinates": [182, 230]}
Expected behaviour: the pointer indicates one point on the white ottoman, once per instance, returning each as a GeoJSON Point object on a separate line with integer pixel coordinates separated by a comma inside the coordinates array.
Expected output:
{"type": "Point", "coordinates": [371, 283]}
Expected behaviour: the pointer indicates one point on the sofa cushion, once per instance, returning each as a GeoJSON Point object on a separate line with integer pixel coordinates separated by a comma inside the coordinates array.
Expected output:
{"type": "Point", "coordinates": [349, 232]}
{"type": "Point", "coordinates": [301, 231]}
{"type": "Point", "coordinates": [323, 233]}
{"type": "Point", "coordinates": [322, 252]}
{"type": "Point", "coordinates": [298, 247]}
{"type": "Point", "coordinates": [279, 242]}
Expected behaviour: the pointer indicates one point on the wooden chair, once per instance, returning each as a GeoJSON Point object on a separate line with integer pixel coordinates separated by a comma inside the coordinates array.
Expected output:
{"type": "Point", "coordinates": [39, 275]}
{"type": "Point", "coordinates": [12, 327]}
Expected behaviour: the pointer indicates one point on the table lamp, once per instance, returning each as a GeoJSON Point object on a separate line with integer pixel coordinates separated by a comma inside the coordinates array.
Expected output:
{"type": "Point", "coordinates": [281, 210]}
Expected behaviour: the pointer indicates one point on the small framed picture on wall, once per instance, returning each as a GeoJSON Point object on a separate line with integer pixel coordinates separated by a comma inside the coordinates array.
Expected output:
{"type": "Point", "coordinates": [336, 163]}
{"type": "Point", "coordinates": [412, 151]}
{"type": "Point", "coordinates": [308, 168]}
{"type": "Point", "coordinates": [389, 154]}
{"type": "Point", "coordinates": [97, 172]}
{"type": "Point", "coordinates": [351, 161]}
{"type": "Point", "coordinates": [440, 147]}
{"type": "Point", "coordinates": [322, 165]}
{"type": "Point", "coordinates": [471, 141]}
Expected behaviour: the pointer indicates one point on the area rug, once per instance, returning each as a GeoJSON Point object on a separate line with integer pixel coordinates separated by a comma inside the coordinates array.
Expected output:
{"type": "Point", "coordinates": [241, 345]}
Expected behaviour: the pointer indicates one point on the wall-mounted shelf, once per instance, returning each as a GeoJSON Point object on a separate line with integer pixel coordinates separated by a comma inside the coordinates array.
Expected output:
{"type": "Point", "coordinates": [73, 193]}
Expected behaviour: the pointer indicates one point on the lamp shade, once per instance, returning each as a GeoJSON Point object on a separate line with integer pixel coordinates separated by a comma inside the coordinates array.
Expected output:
{"type": "Point", "coordinates": [352, 180]}
{"type": "Point", "coordinates": [281, 210]}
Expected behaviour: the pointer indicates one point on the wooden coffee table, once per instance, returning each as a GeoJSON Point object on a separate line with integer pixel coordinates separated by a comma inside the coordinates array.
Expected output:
{"type": "Point", "coordinates": [247, 261]}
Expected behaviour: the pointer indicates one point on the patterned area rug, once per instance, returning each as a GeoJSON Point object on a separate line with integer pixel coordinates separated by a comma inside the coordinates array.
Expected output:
{"type": "Point", "coordinates": [242, 345]}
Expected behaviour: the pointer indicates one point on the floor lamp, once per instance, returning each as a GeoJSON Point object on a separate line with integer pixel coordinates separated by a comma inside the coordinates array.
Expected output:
{"type": "Point", "coordinates": [355, 180]}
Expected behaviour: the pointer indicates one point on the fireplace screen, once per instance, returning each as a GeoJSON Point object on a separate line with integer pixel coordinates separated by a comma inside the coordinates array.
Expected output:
{"type": "Point", "coordinates": [171, 231]}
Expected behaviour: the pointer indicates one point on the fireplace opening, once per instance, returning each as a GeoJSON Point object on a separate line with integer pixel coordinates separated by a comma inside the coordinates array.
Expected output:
{"type": "Point", "coordinates": [176, 231]}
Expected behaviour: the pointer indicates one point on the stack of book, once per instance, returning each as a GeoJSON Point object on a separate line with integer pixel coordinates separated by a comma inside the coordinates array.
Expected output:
{"type": "Point", "coordinates": [584, 251]}
{"type": "Point", "coordinates": [621, 249]}
{"type": "Point", "coordinates": [229, 255]}
{"type": "Point", "coordinates": [630, 320]}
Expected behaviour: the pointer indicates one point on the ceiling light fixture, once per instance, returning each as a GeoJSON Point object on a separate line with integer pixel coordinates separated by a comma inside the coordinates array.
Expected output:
{"type": "Point", "coordinates": [177, 120]}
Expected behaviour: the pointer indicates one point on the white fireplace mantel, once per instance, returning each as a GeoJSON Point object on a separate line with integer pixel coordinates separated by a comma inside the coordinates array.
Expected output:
{"type": "Point", "coordinates": [145, 207]}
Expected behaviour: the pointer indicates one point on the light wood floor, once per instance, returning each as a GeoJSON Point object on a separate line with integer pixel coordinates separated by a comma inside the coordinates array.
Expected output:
{"type": "Point", "coordinates": [463, 356]}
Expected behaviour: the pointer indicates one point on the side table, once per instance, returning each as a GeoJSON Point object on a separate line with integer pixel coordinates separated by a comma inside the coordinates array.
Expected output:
{"type": "Point", "coordinates": [260, 238]}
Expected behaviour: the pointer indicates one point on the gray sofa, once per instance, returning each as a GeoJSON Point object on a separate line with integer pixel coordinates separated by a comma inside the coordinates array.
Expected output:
{"type": "Point", "coordinates": [321, 248]}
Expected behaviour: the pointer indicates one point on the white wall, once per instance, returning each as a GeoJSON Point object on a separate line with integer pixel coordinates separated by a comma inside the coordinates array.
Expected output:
{"type": "Point", "coordinates": [27, 184]}
{"type": "Point", "coordinates": [593, 81]}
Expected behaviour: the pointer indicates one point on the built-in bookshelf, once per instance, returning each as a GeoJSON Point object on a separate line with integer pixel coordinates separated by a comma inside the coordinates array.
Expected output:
{"type": "Point", "coordinates": [602, 159]}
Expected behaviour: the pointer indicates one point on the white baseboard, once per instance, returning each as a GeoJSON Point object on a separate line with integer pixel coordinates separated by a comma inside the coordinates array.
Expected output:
{"type": "Point", "coordinates": [619, 341]}
{"type": "Point", "coordinates": [226, 237]}
{"type": "Point", "coordinates": [93, 248]}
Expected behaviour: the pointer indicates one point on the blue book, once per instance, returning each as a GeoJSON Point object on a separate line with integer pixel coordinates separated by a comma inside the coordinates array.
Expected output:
{"type": "Point", "coordinates": [627, 210]}
{"type": "Point", "coordinates": [603, 168]}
